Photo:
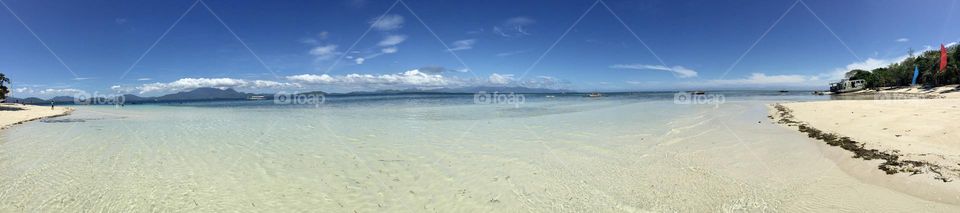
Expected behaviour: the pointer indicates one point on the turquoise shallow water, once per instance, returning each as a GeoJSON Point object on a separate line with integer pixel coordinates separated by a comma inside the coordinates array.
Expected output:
{"type": "Point", "coordinates": [433, 153]}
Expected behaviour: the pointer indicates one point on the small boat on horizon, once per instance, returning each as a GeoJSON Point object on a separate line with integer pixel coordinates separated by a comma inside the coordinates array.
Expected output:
{"type": "Point", "coordinates": [595, 95]}
{"type": "Point", "coordinates": [697, 92]}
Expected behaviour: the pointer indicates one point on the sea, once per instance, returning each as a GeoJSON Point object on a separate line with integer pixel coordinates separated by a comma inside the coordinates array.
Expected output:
{"type": "Point", "coordinates": [491, 152]}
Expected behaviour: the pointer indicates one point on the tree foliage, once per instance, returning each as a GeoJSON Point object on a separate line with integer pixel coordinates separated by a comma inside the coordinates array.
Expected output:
{"type": "Point", "coordinates": [3, 88]}
{"type": "Point", "coordinates": [901, 73]}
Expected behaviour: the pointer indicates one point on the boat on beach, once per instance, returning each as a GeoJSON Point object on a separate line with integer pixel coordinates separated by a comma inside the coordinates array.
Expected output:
{"type": "Point", "coordinates": [847, 85]}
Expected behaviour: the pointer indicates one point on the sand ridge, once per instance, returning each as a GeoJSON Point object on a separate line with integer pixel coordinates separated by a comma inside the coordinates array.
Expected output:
{"type": "Point", "coordinates": [13, 114]}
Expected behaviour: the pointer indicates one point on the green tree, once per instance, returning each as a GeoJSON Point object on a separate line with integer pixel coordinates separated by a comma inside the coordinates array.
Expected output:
{"type": "Point", "coordinates": [859, 74]}
{"type": "Point", "coordinates": [881, 77]}
{"type": "Point", "coordinates": [3, 88]}
{"type": "Point", "coordinates": [901, 73]}
{"type": "Point", "coordinates": [952, 75]}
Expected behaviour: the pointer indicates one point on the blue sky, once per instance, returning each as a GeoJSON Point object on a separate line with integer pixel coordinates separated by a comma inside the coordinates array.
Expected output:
{"type": "Point", "coordinates": [125, 46]}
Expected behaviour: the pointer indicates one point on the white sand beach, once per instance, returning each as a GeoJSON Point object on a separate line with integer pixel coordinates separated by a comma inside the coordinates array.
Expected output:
{"type": "Point", "coordinates": [12, 114]}
{"type": "Point", "coordinates": [923, 129]}
{"type": "Point", "coordinates": [921, 134]}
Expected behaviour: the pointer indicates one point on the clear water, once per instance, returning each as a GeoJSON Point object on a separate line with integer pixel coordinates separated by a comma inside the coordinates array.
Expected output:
{"type": "Point", "coordinates": [432, 153]}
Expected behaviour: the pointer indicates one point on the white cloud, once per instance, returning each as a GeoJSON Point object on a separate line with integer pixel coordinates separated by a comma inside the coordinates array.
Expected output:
{"type": "Point", "coordinates": [315, 40]}
{"type": "Point", "coordinates": [818, 80]}
{"type": "Point", "coordinates": [362, 59]}
{"type": "Point", "coordinates": [144, 79]}
{"type": "Point", "coordinates": [193, 83]}
{"type": "Point", "coordinates": [388, 45]}
{"type": "Point", "coordinates": [389, 50]}
{"type": "Point", "coordinates": [500, 79]}
{"type": "Point", "coordinates": [387, 22]}
{"type": "Point", "coordinates": [520, 20]}
{"type": "Point", "coordinates": [514, 27]}
{"type": "Point", "coordinates": [441, 69]}
{"type": "Point", "coordinates": [678, 71]}
{"type": "Point", "coordinates": [323, 35]}
{"type": "Point", "coordinates": [505, 54]}
{"type": "Point", "coordinates": [392, 40]}
{"type": "Point", "coordinates": [23, 90]}
{"type": "Point", "coordinates": [408, 78]}
{"type": "Point", "coordinates": [465, 44]}
{"type": "Point", "coordinates": [412, 78]}
{"type": "Point", "coordinates": [544, 82]}
{"type": "Point", "coordinates": [122, 89]}
{"type": "Point", "coordinates": [903, 39]}
{"type": "Point", "coordinates": [759, 79]}
{"type": "Point", "coordinates": [432, 69]}
{"type": "Point", "coordinates": [67, 91]}
{"type": "Point", "coordinates": [868, 65]}
{"type": "Point", "coordinates": [257, 84]}
{"type": "Point", "coordinates": [312, 79]}
{"type": "Point", "coordinates": [872, 63]}
{"type": "Point", "coordinates": [324, 52]}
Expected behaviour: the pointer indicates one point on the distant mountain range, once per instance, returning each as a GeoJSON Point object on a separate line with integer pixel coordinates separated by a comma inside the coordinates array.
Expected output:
{"type": "Point", "coordinates": [211, 94]}
{"type": "Point", "coordinates": [199, 94]}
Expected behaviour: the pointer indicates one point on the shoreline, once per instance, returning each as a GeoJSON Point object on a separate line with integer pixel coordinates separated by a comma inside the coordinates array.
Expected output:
{"type": "Point", "coordinates": [908, 92]}
{"type": "Point", "coordinates": [15, 114]}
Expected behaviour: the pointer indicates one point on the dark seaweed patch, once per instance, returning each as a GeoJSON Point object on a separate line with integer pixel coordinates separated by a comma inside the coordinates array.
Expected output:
{"type": "Point", "coordinates": [62, 120]}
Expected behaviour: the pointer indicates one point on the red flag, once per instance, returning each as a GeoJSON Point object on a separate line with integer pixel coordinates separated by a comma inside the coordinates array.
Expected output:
{"type": "Point", "coordinates": [943, 58]}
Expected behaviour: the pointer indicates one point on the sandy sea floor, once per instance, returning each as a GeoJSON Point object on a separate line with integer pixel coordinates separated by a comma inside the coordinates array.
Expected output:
{"type": "Point", "coordinates": [602, 155]}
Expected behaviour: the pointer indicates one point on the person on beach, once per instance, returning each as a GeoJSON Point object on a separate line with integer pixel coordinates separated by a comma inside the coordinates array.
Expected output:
{"type": "Point", "coordinates": [51, 105]}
